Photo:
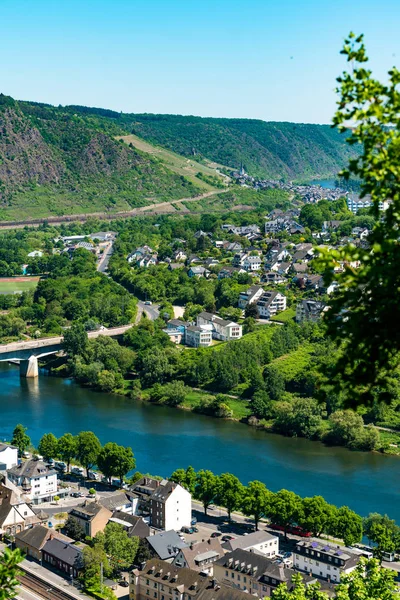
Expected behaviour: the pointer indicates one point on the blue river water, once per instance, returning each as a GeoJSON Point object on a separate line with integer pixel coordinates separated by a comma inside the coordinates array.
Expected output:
{"type": "Point", "coordinates": [165, 438]}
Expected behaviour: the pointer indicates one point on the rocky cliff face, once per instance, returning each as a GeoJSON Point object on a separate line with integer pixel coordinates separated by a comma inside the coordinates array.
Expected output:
{"type": "Point", "coordinates": [25, 158]}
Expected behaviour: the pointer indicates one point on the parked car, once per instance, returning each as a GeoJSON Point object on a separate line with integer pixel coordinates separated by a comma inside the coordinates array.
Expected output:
{"type": "Point", "coordinates": [123, 583]}
{"type": "Point", "coordinates": [148, 303]}
{"type": "Point", "coordinates": [193, 522]}
{"type": "Point", "coordinates": [76, 471]}
{"type": "Point", "coordinates": [216, 534]}
{"type": "Point", "coordinates": [187, 530]}
{"type": "Point", "coordinates": [60, 466]}
{"type": "Point", "coordinates": [227, 538]}
{"type": "Point", "coordinates": [76, 495]}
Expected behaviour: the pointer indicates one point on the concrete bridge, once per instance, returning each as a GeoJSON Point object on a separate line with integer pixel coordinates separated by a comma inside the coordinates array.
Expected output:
{"type": "Point", "coordinates": [27, 353]}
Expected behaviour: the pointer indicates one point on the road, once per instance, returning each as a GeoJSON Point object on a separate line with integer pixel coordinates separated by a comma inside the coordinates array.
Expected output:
{"type": "Point", "coordinates": [151, 310]}
{"type": "Point", "coordinates": [102, 265]}
{"type": "Point", "coordinates": [54, 341]}
{"type": "Point", "coordinates": [149, 210]}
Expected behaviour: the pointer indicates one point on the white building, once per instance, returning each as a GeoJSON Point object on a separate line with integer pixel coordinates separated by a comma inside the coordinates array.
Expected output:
{"type": "Point", "coordinates": [36, 480]}
{"type": "Point", "coordinates": [270, 304]}
{"type": "Point", "coordinates": [252, 263]}
{"type": "Point", "coordinates": [323, 560]}
{"type": "Point", "coordinates": [198, 336]}
{"type": "Point", "coordinates": [260, 542]}
{"type": "Point", "coordinates": [15, 513]}
{"type": "Point", "coordinates": [221, 329]}
{"type": "Point", "coordinates": [251, 295]}
{"type": "Point", "coordinates": [354, 203]}
{"type": "Point", "coordinates": [170, 506]}
{"type": "Point", "coordinates": [8, 456]}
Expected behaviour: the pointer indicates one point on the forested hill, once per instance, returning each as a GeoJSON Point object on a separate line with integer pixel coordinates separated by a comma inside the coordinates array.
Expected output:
{"type": "Point", "coordinates": [56, 161]}
{"type": "Point", "coordinates": [276, 150]}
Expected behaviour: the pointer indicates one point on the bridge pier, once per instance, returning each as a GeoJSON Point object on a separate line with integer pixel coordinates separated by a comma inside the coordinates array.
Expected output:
{"type": "Point", "coordinates": [29, 367]}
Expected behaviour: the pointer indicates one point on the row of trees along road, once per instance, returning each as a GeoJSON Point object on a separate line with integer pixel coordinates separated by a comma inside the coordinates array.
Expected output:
{"type": "Point", "coordinates": [112, 459]}
{"type": "Point", "coordinates": [285, 508]}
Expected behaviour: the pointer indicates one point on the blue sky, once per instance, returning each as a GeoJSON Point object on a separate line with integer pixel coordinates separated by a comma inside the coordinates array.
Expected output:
{"type": "Point", "coordinates": [268, 59]}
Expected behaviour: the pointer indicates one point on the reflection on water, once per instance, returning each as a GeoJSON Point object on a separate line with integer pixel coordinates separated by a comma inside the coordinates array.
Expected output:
{"type": "Point", "coordinates": [164, 439]}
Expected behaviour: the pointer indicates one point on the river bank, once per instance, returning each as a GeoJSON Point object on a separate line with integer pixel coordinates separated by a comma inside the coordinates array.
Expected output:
{"type": "Point", "coordinates": [235, 408]}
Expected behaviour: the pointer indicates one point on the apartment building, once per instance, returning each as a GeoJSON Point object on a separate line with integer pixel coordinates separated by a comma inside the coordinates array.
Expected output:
{"type": "Point", "coordinates": [324, 560]}
{"type": "Point", "coordinates": [37, 481]}
{"type": "Point", "coordinates": [270, 303]}
{"type": "Point", "coordinates": [221, 329]}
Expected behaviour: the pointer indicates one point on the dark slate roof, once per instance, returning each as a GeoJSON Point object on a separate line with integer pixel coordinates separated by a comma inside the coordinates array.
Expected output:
{"type": "Point", "coordinates": [162, 493]}
{"type": "Point", "coordinates": [166, 544]}
{"type": "Point", "coordinates": [87, 510]}
{"type": "Point", "coordinates": [137, 527]}
{"type": "Point", "coordinates": [220, 591]}
{"type": "Point", "coordinates": [258, 563]}
{"type": "Point", "coordinates": [69, 554]}
{"type": "Point", "coordinates": [31, 468]}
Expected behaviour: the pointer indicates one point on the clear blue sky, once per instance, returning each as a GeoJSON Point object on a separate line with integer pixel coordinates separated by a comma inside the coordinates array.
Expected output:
{"type": "Point", "coordinates": [268, 59]}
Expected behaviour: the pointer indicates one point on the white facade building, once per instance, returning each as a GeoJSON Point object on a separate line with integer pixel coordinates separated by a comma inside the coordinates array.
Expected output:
{"type": "Point", "coordinates": [170, 507]}
{"type": "Point", "coordinates": [36, 480]}
{"type": "Point", "coordinates": [260, 542]}
{"type": "Point", "coordinates": [198, 336]}
{"type": "Point", "coordinates": [270, 304]}
{"type": "Point", "coordinates": [8, 456]}
{"type": "Point", "coordinates": [250, 295]}
{"type": "Point", "coordinates": [323, 560]}
{"type": "Point", "coordinates": [221, 329]}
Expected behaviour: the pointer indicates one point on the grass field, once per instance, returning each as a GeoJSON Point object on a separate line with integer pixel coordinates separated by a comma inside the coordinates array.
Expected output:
{"type": "Point", "coordinates": [179, 164]}
{"type": "Point", "coordinates": [19, 284]}
{"type": "Point", "coordinates": [285, 316]}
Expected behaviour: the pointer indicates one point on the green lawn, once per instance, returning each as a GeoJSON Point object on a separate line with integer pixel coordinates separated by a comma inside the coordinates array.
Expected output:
{"type": "Point", "coordinates": [10, 286]}
{"type": "Point", "coordinates": [293, 363]}
{"type": "Point", "coordinates": [285, 316]}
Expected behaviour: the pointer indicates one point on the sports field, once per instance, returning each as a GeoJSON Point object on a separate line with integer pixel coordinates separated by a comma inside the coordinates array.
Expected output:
{"type": "Point", "coordinates": [9, 285]}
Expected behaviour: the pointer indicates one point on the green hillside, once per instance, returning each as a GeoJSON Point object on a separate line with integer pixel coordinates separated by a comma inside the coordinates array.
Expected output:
{"type": "Point", "coordinates": [276, 150]}
{"type": "Point", "coordinates": [54, 162]}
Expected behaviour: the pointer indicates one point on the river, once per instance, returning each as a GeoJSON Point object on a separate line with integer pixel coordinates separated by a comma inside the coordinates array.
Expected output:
{"type": "Point", "coordinates": [165, 438]}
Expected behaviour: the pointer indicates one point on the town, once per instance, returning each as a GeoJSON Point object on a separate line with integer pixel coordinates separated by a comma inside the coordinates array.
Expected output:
{"type": "Point", "coordinates": [160, 537]}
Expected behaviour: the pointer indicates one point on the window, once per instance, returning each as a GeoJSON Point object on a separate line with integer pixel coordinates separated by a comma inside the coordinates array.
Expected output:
{"type": "Point", "coordinates": [329, 567]}
{"type": "Point", "coordinates": [238, 577]}
{"type": "Point", "coordinates": [233, 575]}
{"type": "Point", "coordinates": [244, 579]}
{"type": "Point", "coordinates": [226, 573]}
{"type": "Point", "coordinates": [317, 563]}
{"type": "Point", "coordinates": [147, 582]}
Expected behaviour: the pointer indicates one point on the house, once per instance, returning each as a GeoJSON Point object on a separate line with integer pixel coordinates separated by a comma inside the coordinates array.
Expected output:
{"type": "Point", "coordinates": [238, 259]}
{"type": "Point", "coordinates": [200, 556]}
{"type": "Point", "coordinates": [202, 234]}
{"type": "Point", "coordinates": [146, 261]}
{"type": "Point", "coordinates": [173, 266]}
{"type": "Point", "coordinates": [170, 506]}
{"type": "Point", "coordinates": [227, 272]}
{"type": "Point", "coordinates": [165, 545]}
{"type": "Point", "coordinates": [219, 244]}
{"type": "Point", "coordinates": [63, 556]}
{"type": "Point", "coordinates": [273, 278]}
{"type": "Point", "coordinates": [15, 512]}
{"type": "Point", "coordinates": [253, 573]}
{"type": "Point", "coordinates": [175, 335]}
{"type": "Point", "coordinates": [221, 329]}
{"type": "Point", "coordinates": [324, 560]}
{"type": "Point", "coordinates": [8, 456]}
{"type": "Point", "coordinates": [233, 246]}
{"type": "Point", "coordinates": [198, 272]}
{"type": "Point", "coordinates": [139, 253]}
{"type": "Point", "coordinates": [270, 303]}
{"type": "Point", "coordinates": [330, 225]}
{"type": "Point", "coordinates": [196, 337]}
{"type": "Point", "coordinates": [92, 516]}
{"type": "Point", "coordinates": [250, 296]}
{"type": "Point", "coordinates": [85, 246]}
{"type": "Point", "coordinates": [211, 262]}
{"type": "Point", "coordinates": [35, 254]}
{"type": "Point", "coordinates": [103, 236]}
{"type": "Point", "coordinates": [32, 540]}
{"type": "Point", "coordinates": [134, 526]}
{"type": "Point", "coordinates": [117, 501]}
{"type": "Point", "coordinates": [251, 263]}
{"type": "Point", "coordinates": [309, 310]}
{"type": "Point", "coordinates": [261, 542]}
{"type": "Point", "coordinates": [160, 580]}
{"type": "Point", "coordinates": [35, 479]}
{"type": "Point", "coordinates": [179, 255]}
{"type": "Point", "coordinates": [300, 268]}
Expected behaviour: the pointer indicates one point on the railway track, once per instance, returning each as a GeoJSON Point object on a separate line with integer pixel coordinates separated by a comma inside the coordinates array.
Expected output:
{"type": "Point", "coordinates": [42, 588]}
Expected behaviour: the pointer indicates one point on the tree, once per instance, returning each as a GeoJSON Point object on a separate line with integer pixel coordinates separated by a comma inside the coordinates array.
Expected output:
{"type": "Point", "coordinates": [56, 499]}
{"type": "Point", "coordinates": [75, 339]}
{"type": "Point", "coordinates": [316, 515]}
{"type": "Point", "coordinates": [348, 526]}
{"type": "Point", "coordinates": [67, 448]}
{"type": "Point", "coordinates": [115, 460]}
{"type": "Point", "coordinates": [185, 477]}
{"type": "Point", "coordinates": [206, 488]}
{"type": "Point", "coordinates": [285, 509]}
{"type": "Point", "coordinates": [274, 382]}
{"type": "Point", "coordinates": [87, 449]}
{"type": "Point", "coordinates": [251, 311]}
{"type": "Point", "coordinates": [119, 547]}
{"type": "Point", "coordinates": [364, 316]}
{"type": "Point", "coordinates": [48, 446]}
{"type": "Point", "coordinates": [256, 501]}
{"type": "Point", "coordinates": [74, 529]}
{"type": "Point", "coordinates": [230, 492]}
{"type": "Point", "coordinates": [20, 439]}
{"type": "Point", "coordinates": [94, 559]}
{"type": "Point", "coordinates": [384, 539]}
{"type": "Point", "coordinates": [261, 405]}
{"type": "Point", "coordinates": [9, 561]}
{"type": "Point", "coordinates": [368, 580]}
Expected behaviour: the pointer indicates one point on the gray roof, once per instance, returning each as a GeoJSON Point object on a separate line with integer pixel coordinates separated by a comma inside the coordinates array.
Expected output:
{"type": "Point", "coordinates": [214, 319]}
{"type": "Point", "coordinates": [166, 544]}
{"type": "Point", "coordinates": [247, 562]}
{"type": "Point", "coordinates": [5, 446]}
{"type": "Point", "coordinates": [162, 493]}
{"type": "Point", "coordinates": [31, 468]}
{"type": "Point", "coordinates": [135, 525]}
{"type": "Point", "coordinates": [246, 541]}
{"type": "Point", "coordinates": [69, 554]}
{"type": "Point", "coordinates": [114, 501]}
{"type": "Point", "coordinates": [87, 510]}
{"type": "Point", "coordinates": [37, 536]}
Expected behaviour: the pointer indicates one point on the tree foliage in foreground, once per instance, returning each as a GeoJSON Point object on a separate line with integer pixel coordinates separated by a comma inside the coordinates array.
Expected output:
{"type": "Point", "coordinates": [364, 318]}
{"type": "Point", "coordinates": [8, 573]}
